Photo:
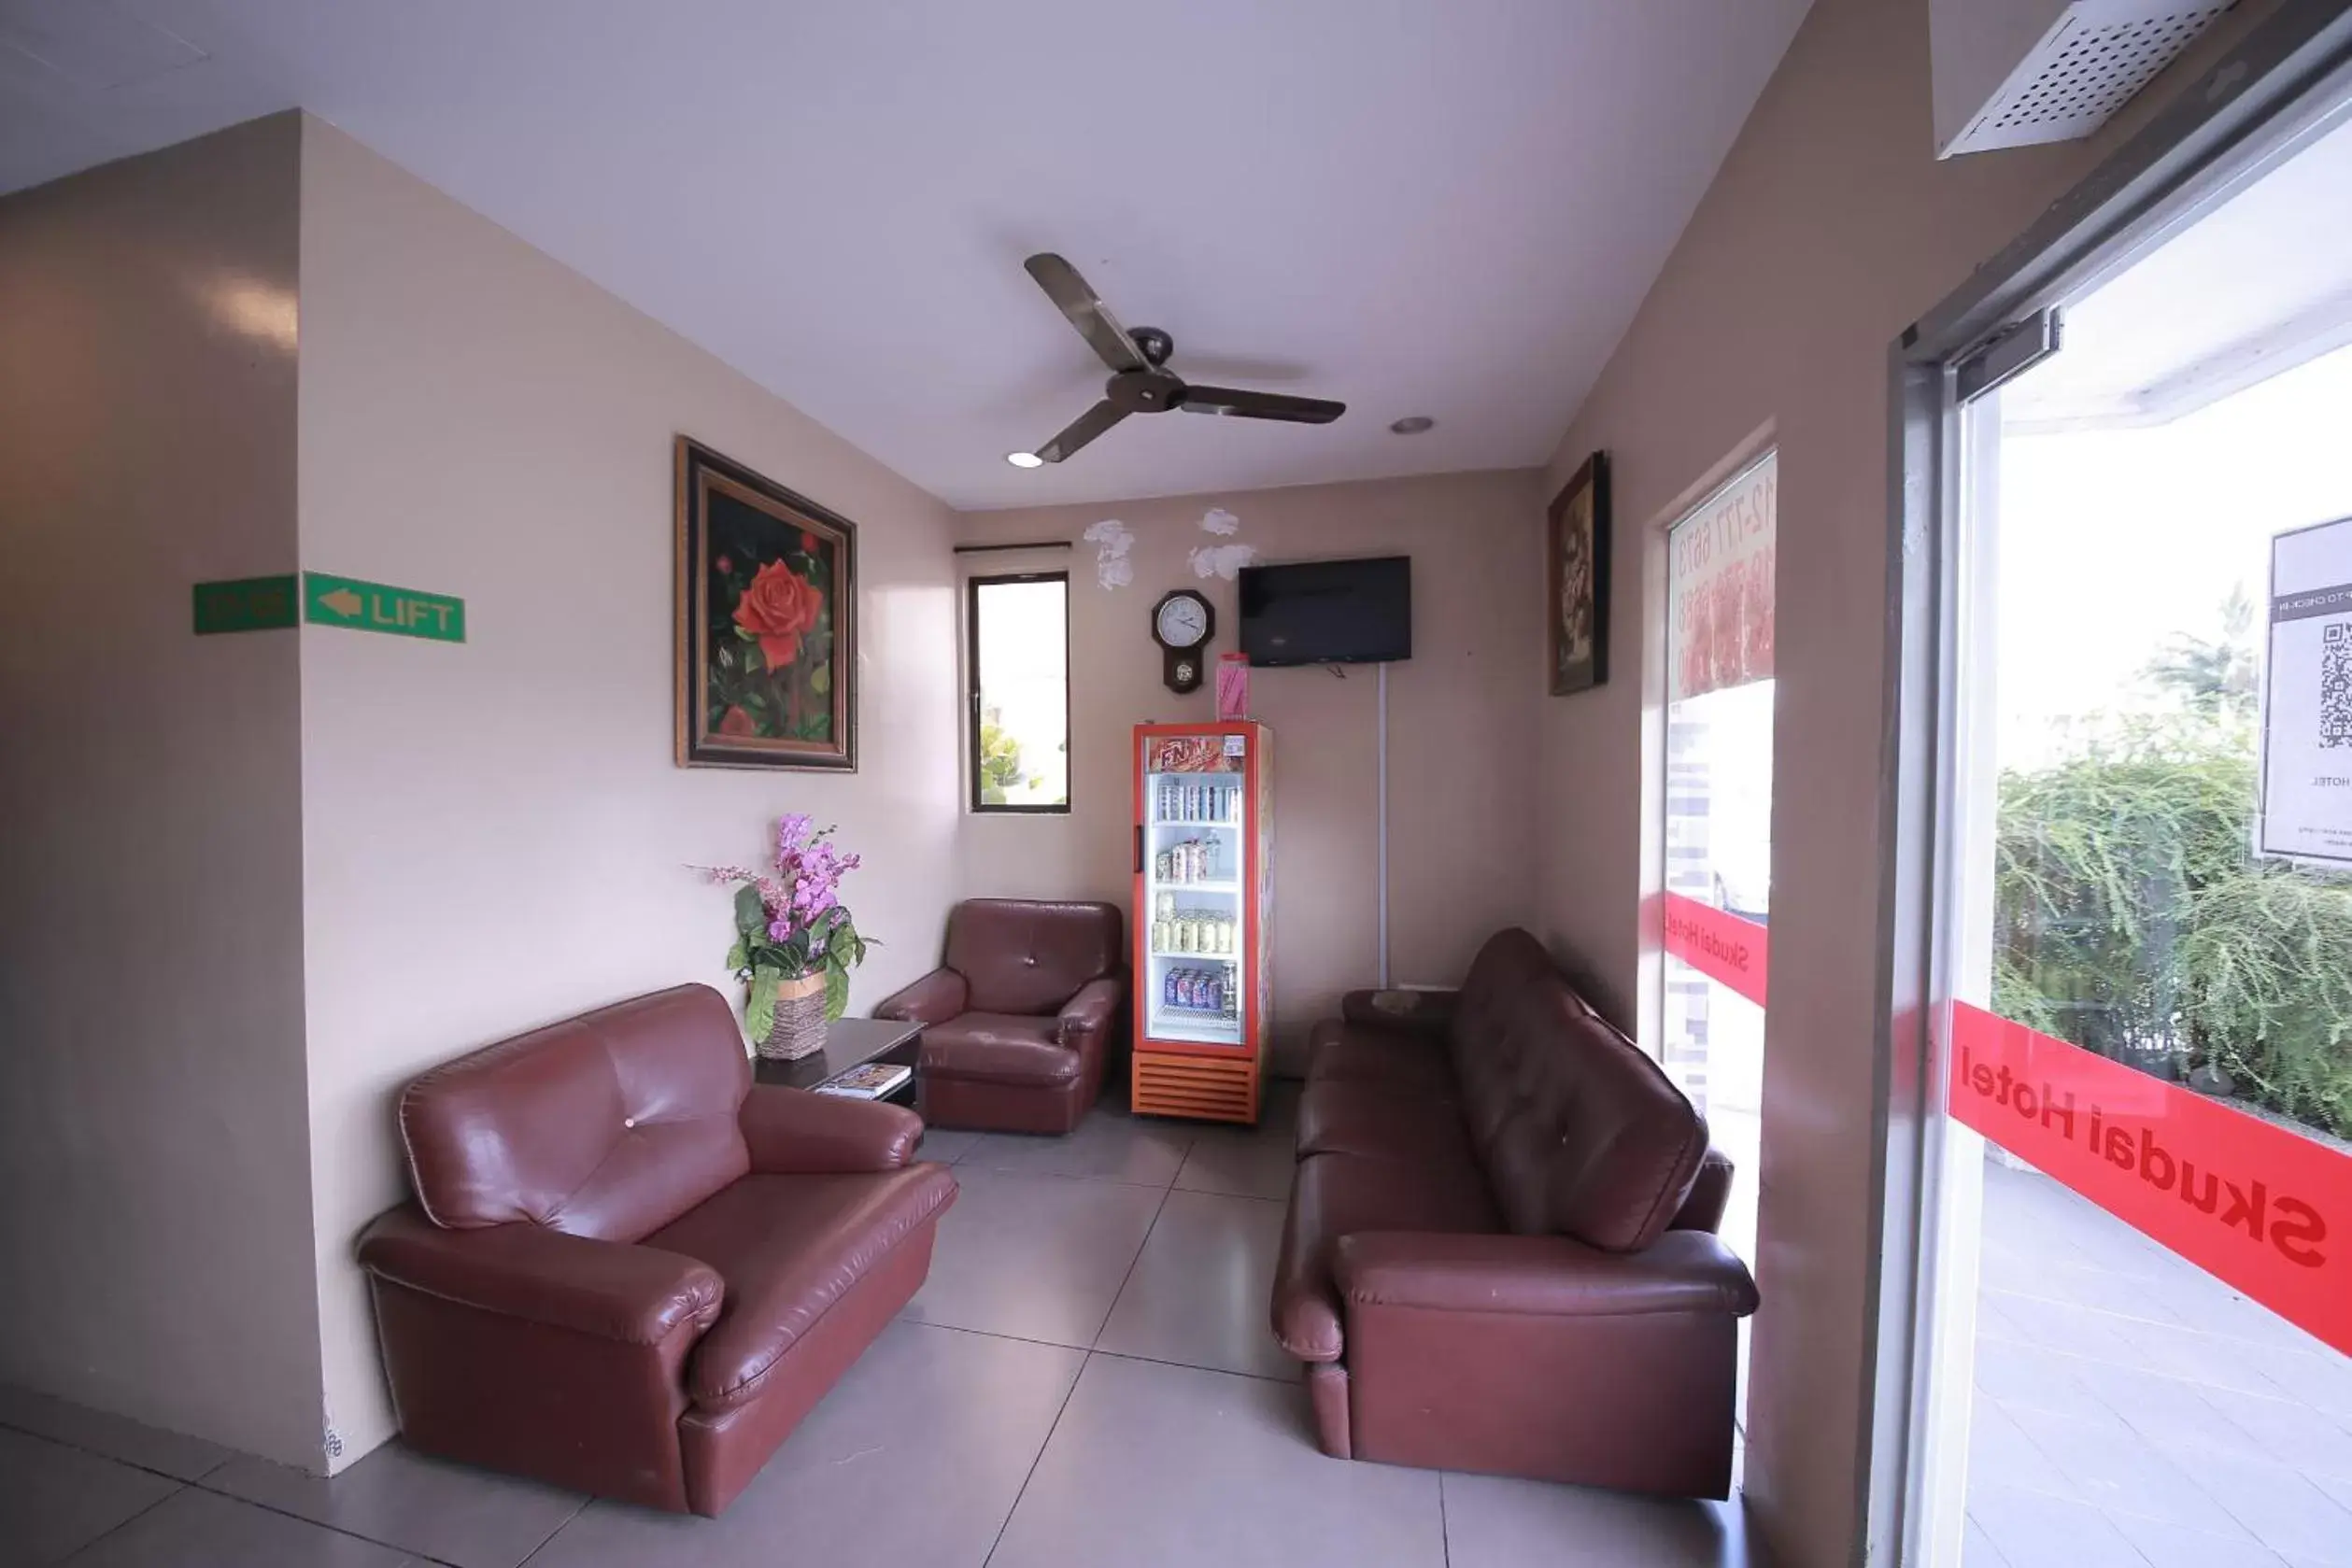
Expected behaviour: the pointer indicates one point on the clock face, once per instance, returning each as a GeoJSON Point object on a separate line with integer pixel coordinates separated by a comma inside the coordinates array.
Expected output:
{"type": "Point", "coordinates": [1183, 622]}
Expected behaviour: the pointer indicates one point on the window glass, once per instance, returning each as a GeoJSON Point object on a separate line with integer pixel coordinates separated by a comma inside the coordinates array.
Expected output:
{"type": "Point", "coordinates": [1719, 585]}
{"type": "Point", "coordinates": [1020, 693]}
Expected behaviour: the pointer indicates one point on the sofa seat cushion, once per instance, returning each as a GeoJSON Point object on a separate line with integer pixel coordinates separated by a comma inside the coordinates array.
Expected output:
{"type": "Point", "coordinates": [1367, 1054]}
{"type": "Point", "coordinates": [1381, 1121]}
{"type": "Point", "coordinates": [788, 1248]}
{"type": "Point", "coordinates": [1001, 1048]}
{"type": "Point", "coordinates": [1341, 1194]}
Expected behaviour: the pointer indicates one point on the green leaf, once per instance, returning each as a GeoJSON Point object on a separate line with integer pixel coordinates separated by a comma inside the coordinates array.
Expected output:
{"type": "Point", "coordinates": [821, 679]}
{"type": "Point", "coordinates": [738, 956]}
{"type": "Point", "coordinates": [751, 915]}
{"type": "Point", "coordinates": [836, 991]}
{"type": "Point", "coordinates": [759, 1004]}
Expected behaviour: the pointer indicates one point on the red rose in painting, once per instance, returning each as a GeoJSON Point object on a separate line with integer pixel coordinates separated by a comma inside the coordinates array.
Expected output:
{"type": "Point", "coordinates": [808, 542]}
{"type": "Point", "coordinates": [779, 609]}
{"type": "Point", "coordinates": [736, 722]}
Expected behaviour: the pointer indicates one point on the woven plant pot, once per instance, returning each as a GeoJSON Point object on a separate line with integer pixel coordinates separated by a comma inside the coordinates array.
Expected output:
{"type": "Point", "coordinates": [799, 1027]}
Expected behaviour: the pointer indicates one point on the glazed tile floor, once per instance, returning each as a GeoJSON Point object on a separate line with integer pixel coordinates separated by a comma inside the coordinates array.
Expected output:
{"type": "Point", "coordinates": [2132, 1411]}
{"type": "Point", "coordinates": [1087, 1380]}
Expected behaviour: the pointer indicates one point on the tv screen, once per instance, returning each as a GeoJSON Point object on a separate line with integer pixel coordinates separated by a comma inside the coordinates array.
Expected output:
{"type": "Point", "coordinates": [1328, 612]}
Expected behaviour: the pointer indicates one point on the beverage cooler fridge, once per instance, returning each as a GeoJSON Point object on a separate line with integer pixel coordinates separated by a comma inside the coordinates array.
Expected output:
{"type": "Point", "coordinates": [1203, 878]}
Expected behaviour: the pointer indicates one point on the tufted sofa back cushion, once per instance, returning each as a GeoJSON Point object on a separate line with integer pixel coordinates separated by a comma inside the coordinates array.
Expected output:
{"type": "Point", "coordinates": [610, 1124]}
{"type": "Point", "coordinates": [1579, 1133]}
{"type": "Point", "coordinates": [1028, 956]}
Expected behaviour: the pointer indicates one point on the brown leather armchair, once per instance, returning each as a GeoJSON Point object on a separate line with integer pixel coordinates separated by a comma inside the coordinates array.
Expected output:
{"type": "Point", "coordinates": [1018, 1022]}
{"type": "Point", "coordinates": [1500, 1253]}
{"type": "Point", "coordinates": [628, 1270]}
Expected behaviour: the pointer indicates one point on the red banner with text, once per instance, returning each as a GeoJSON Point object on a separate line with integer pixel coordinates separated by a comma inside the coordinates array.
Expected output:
{"type": "Point", "coordinates": [1719, 945]}
{"type": "Point", "coordinates": [2260, 1207]}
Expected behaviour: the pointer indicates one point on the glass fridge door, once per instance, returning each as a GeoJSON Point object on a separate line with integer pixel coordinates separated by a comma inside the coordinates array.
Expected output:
{"type": "Point", "coordinates": [1195, 833]}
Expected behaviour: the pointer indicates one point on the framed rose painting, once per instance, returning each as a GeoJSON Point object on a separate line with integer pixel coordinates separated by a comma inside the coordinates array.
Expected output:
{"type": "Point", "coordinates": [767, 585]}
{"type": "Point", "coordinates": [1576, 579]}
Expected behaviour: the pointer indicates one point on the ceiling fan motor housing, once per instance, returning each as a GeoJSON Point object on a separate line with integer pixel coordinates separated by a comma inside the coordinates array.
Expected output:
{"type": "Point", "coordinates": [1155, 345]}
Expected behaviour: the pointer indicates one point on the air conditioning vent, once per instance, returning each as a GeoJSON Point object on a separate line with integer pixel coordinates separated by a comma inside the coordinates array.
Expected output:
{"type": "Point", "coordinates": [2089, 64]}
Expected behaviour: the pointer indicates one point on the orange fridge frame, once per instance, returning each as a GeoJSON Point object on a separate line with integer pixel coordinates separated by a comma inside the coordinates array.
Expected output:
{"type": "Point", "coordinates": [1198, 1080]}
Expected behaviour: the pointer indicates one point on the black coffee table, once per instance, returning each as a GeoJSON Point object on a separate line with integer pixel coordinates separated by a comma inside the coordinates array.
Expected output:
{"type": "Point", "coordinates": [850, 1042]}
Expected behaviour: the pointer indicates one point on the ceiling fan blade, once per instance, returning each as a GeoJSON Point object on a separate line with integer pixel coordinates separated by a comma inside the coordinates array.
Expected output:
{"type": "Point", "coordinates": [1086, 310]}
{"type": "Point", "coordinates": [1088, 425]}
{"type": "Point", "coordinates": [1260, 406]}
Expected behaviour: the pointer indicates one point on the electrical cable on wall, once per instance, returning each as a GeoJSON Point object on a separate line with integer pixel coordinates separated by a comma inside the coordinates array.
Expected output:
{"type": "Point", "coordinates": [1381, 815]}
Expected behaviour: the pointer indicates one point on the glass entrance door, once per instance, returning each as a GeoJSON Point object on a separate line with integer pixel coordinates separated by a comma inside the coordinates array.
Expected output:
{"type": "Point", "coordinates": [2138, 1269]}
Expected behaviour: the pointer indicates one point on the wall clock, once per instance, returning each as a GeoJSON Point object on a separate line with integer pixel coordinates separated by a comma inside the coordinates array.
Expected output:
{"type": "Point", "coordinates": [1181, 625]}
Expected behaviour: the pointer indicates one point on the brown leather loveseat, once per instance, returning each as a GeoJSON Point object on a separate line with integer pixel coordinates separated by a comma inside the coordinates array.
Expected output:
{"type": "Point", "coordinates": [1500, 1253]}
{"type": "Point", "coordinates": [1019, 1020]}
{"type": "Point", "coordinates": [629, 1271]}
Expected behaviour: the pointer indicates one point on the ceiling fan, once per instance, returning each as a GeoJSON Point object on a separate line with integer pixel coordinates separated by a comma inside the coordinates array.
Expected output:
{"type": "Point", "coordinates": [1140, 381]}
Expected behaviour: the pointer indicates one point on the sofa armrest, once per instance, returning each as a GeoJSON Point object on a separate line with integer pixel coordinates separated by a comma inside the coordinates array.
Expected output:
{"type": "Point", "coordinates": [611, 1290]}
{"type": "Point", "coordinates": [1423, 1012]}
{"type": "Point", "coordinates": [1710, 1195]}
{"type": "Point", "coordinates": [796, 1131]}
{"type": "Point", "coordinates": [1543, 1276]}
{"type": "Point", "coordinates": [1091, 1010]}
{"type": "Point", "coordinates": [935, 998]}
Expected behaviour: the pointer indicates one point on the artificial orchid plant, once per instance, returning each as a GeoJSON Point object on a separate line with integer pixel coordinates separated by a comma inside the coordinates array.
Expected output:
{"type": "Point", "coordinates": [790, 924]}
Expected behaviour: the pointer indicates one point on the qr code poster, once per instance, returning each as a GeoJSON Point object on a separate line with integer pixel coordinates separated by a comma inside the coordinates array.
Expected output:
{"type": "Point", "coordinates": [2307, 697]}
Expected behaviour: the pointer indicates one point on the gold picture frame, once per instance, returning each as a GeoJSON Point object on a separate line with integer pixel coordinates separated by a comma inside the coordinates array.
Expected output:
{"type": "Point", "coordinates": [767, 621]}
{"type": "Point", "coordinates": [1576, 579]}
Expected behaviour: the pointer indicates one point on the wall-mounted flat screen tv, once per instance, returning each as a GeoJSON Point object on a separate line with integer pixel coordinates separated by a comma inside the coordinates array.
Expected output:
{"type": "Point", "coordinates": [1328, 612]}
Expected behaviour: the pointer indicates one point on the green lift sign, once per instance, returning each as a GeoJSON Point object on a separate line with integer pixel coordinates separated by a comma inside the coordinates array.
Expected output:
{"type": "Point", "coordinates": [246, 604]}
{"type": "Point", "coordinates": [346, 602]}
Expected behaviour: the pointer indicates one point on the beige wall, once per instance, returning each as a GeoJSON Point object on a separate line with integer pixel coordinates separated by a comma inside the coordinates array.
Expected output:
{"type": "Point", "coordinates": [1828, 230]}
{"type": "Point", "coordinates": [154, 1154]}
{"type": "Point", "coordinates": [1461, 745]}
{"type": "Point", "coordinates": [495, 833]}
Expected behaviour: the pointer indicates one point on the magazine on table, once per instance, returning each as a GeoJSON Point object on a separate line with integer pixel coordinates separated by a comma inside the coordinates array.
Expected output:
{"type": "Point", "coordinates": [870, 1082]}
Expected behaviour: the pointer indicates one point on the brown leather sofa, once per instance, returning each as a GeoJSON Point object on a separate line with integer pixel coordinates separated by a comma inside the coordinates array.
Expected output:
{"type": "Point", "coordinates": [629, 1271]}
{"type": "Point", "coordinates": [1500, 1253]}
{"type": "Point", "coordinates": [1019, 1021]}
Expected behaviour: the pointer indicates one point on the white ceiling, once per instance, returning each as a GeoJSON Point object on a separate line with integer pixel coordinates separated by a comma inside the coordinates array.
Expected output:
{"type": "Point", "coordinates": [1449, 208]}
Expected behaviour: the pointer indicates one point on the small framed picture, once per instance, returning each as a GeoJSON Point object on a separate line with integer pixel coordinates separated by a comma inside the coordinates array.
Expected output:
{"type": "Point", "coordinates": [1577, 580]}
{"type": "Point", "coordinates": [767, 612]}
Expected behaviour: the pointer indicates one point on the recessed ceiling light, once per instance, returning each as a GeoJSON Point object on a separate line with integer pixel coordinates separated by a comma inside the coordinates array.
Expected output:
{"type": "Point", "coordinates": [1025, 459]}
{"type": "Point", "coordinates": [1413, 424]}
